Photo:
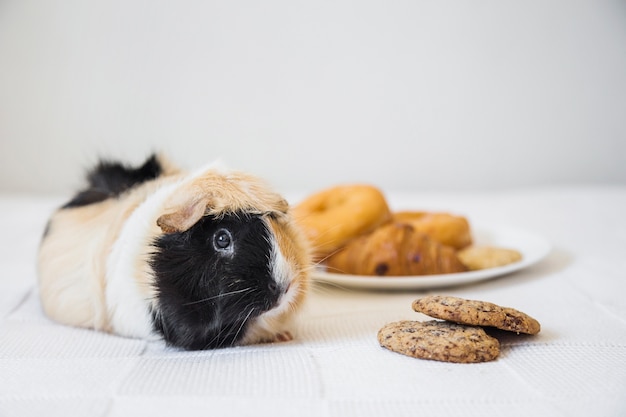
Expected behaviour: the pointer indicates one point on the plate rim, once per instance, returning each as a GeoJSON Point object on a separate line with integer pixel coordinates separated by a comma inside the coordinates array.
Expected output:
{"type": "Point", "coordinates": [541, 249]}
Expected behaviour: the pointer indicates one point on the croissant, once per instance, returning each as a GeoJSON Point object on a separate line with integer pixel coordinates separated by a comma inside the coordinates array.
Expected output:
{"type": "Point", "coordinates": [395, 249]}
{"type": "Point", "coordinates": [445, 228]}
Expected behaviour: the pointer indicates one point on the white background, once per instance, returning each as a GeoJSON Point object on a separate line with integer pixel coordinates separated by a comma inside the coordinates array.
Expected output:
{"type": "Point", "coordinates": [409, 95]}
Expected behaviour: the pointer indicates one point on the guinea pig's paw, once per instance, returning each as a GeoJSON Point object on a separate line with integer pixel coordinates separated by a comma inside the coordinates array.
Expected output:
{"type": "Point", "coordinates": [284, 336]}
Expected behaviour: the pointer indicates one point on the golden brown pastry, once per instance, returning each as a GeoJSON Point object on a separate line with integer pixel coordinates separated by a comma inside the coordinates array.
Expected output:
{"type": "Point", "coordinates": [395, 249]}
{"type": "Point", "coordinates": [332, 217]}
{"type": "Point", "coordinates": [448, 229]}
{"type": "Point", "coordinates": [483, 257]}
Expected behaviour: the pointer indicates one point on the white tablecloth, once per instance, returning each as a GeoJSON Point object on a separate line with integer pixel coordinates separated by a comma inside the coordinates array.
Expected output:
{"type": "Point", "coordinates": [576, 366]}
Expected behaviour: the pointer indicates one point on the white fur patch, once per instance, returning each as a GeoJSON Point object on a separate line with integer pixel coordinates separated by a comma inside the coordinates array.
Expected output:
{"type": "Point", "coordinates": [128, 309]}
{"type": "Point", "coordinates": [265, 326]}
{"type": "Point", "coordinates": [280, 267]}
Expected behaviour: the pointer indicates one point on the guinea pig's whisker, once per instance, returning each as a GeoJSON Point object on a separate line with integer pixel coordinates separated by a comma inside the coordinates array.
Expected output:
{"type": "Point", "coordinates": [322, 260]}
{"type": "Point", "coordinates": [226, 294]}
{"type": "Point", "coordinates": [243, 322]}
{"type": "Point", "coordinates": [228, 330]}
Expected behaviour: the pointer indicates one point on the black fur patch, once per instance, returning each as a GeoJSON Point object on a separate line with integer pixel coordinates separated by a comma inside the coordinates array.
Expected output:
{"type": "Point", "coordinates": [206, 295]}
{"type": "Point", "coordinates": [110, 179]}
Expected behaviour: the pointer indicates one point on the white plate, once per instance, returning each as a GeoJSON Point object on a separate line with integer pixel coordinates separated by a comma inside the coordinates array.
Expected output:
{"type": "Point", "coordinates": [532, 247]}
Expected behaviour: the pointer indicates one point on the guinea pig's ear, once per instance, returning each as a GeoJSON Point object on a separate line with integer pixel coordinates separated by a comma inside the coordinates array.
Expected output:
{"type": "Point", "coordinates": [281, 205]}
{"type": "Point", "coordinates": [215, 192]}
{"type": "Point", "coordinates": [183, 215]}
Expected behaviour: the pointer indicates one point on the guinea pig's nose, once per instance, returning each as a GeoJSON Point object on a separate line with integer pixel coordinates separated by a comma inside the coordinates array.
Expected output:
{"type": "Point", "coordinates": [273, 287]}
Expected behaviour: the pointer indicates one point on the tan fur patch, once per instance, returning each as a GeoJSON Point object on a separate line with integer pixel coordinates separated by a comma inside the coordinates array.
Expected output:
{"type": "Point", "coordinates": [217, 193]}
{"type": "Point", "coordinates": [72, 258]}
{"type": "Point", "coordinates": [72, 264]}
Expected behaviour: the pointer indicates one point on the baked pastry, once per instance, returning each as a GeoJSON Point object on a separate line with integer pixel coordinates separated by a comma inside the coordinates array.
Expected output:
{"type": "Point", "coordinates": [483, 257]}
{"type": "Point", "coordinates": [395, 250]}
{"type": "Point", "coordinates": [333, 217]}
{"type": "Point", "coordinates": [445, 228]}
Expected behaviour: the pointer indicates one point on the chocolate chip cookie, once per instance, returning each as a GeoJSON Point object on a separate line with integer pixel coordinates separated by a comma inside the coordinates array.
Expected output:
{"type": "Point", "coordinates": [440, 341]}
{"type": "Point", "coordinates": [476, 313]}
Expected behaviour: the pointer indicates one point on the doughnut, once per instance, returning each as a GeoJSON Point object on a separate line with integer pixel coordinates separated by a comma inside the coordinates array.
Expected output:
{"type": "Point", "coordinates": [445, 228]}
{"type": "Point", "coordinates": [332, 217]}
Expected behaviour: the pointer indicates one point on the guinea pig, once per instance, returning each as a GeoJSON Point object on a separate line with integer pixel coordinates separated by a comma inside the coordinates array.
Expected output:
{"type": "Point", "coordinates": [200, 260]}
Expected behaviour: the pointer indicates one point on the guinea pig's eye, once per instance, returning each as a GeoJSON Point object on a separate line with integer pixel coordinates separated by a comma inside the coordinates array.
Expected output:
{"type": "Point", "coordinates": [222, 239]}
